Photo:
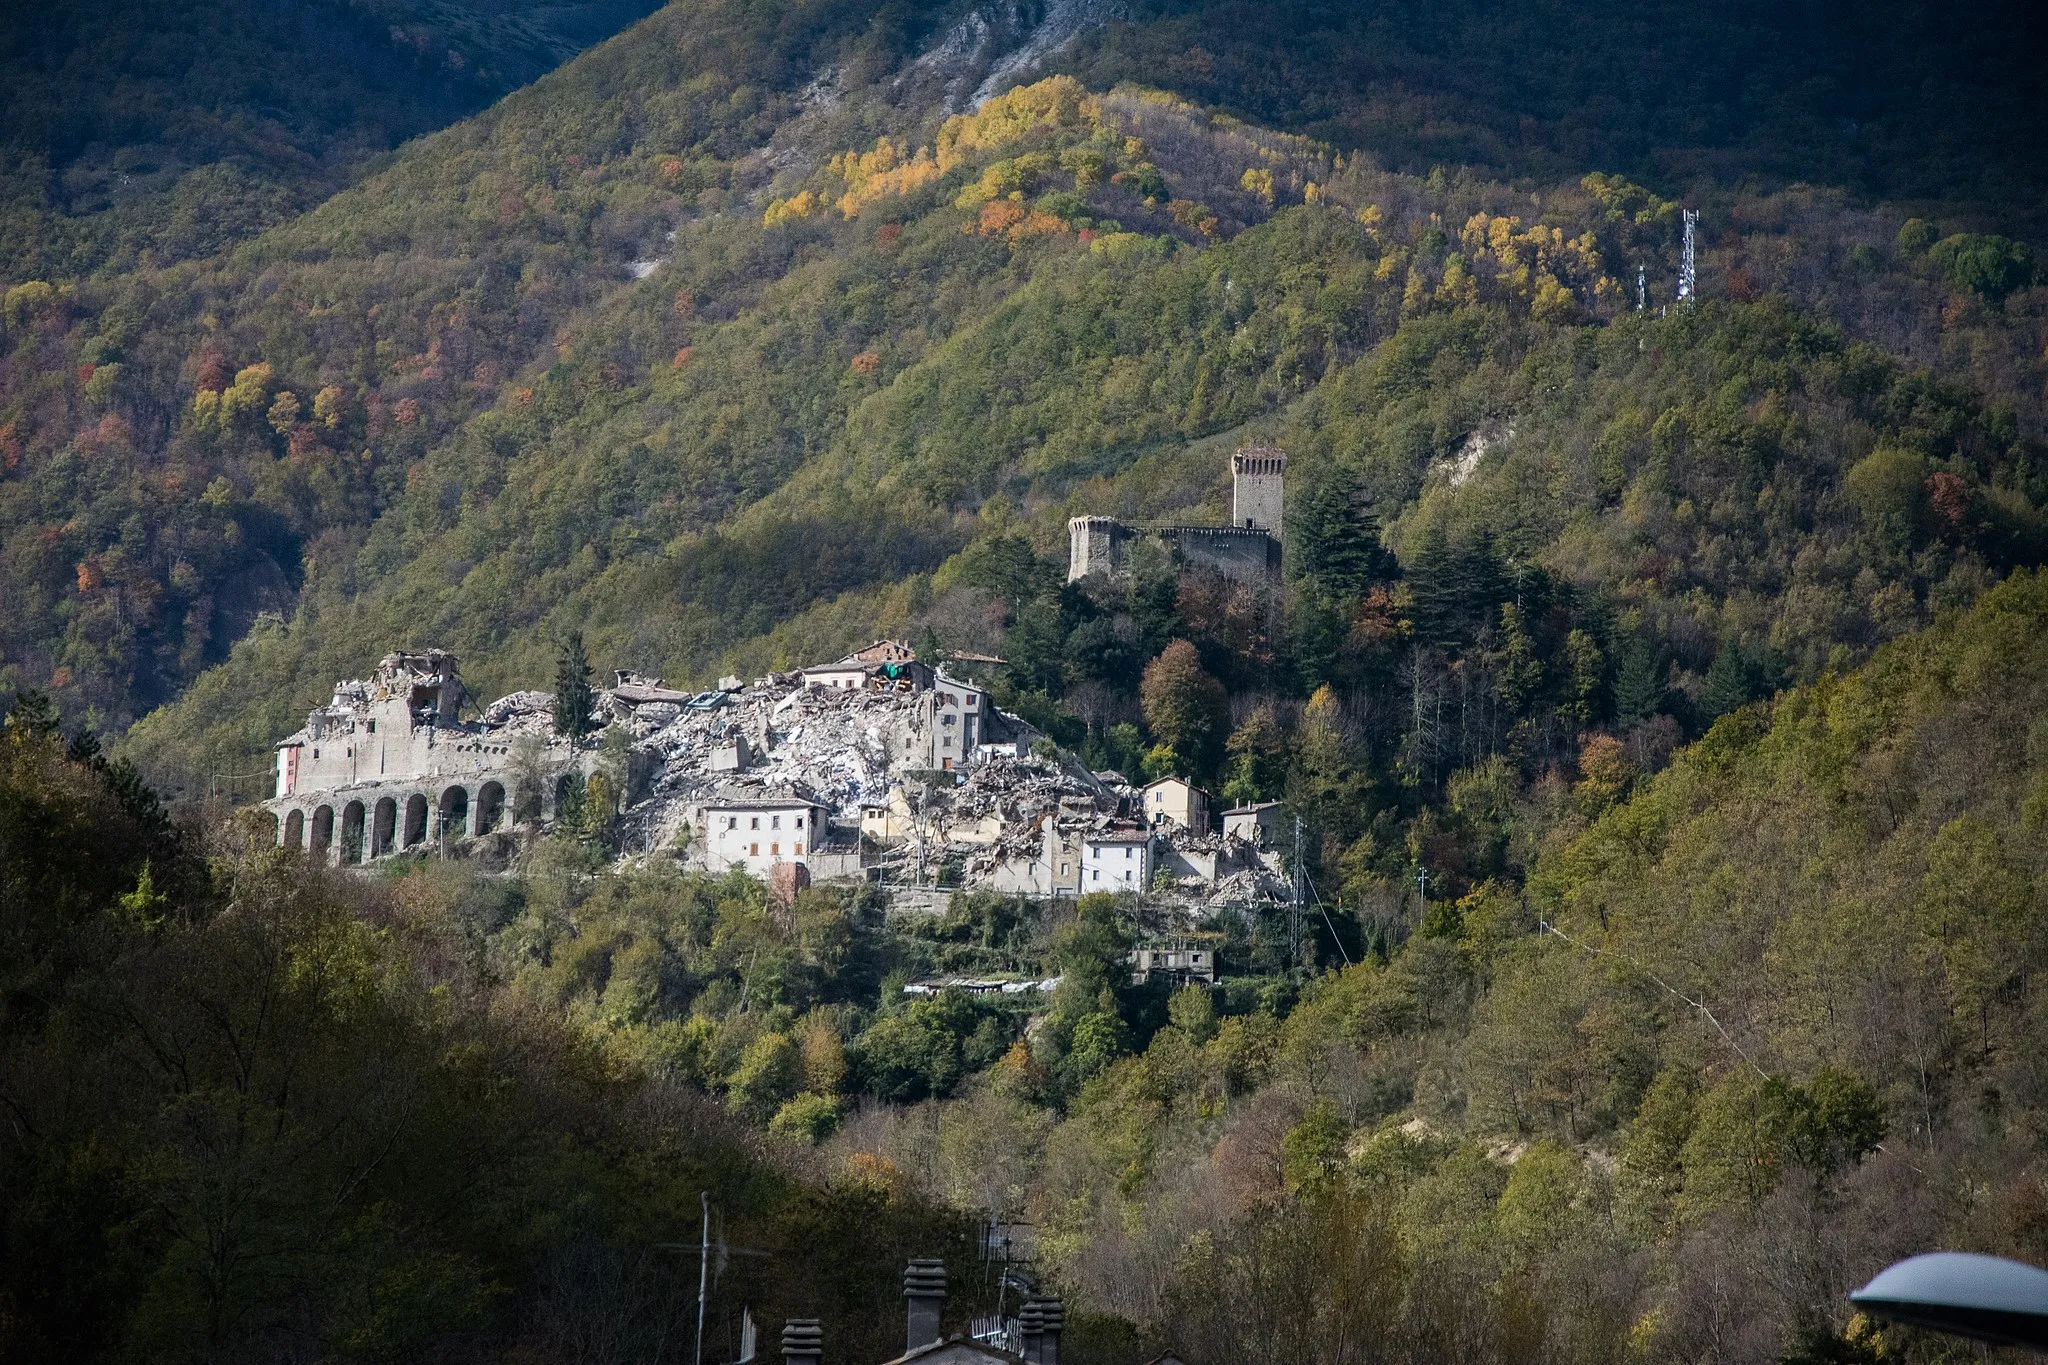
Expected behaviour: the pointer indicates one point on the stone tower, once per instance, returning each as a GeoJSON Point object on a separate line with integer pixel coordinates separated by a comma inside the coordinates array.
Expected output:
{"type": "Point", "coordinates": [1094, 545]}
{"type": "Point", "coordinates": [1257, 476]}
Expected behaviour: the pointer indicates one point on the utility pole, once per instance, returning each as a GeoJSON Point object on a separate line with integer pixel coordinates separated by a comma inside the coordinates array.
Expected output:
{"type": "Point", "coordinates": [1642, 288]}
{"type": "Point", "coordinates": [1422, 887]}
{"type": "Point", "coordinates": [1295, 899]}
{"type": "Point", "coordinates": [703, 1271]}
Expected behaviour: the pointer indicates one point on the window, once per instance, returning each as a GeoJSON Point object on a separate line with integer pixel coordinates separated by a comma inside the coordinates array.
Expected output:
{"type": "Point", "coordinates": [775, 850]}
{"type": "Point", "coordinates": [797, 848]}
{"type": "Point", "coordinates": [775, 822]}
{"type": "Point", "coordinates": [373, 727]}
{"type": "Point", "coordinates": [1127, 851]}
{"type": "Point", "coordinates": [316, 753]}
{"type": "Point", "coordinates": [1063, 869]}
{"type": "Point", "coordinates": [732, 822]}
{"type": "Point", "coordinates": [945, 720]}
{"type": "Point", "coordinates": [753, 850]}
{"type": "Point", "coordinates": [799, 822]}
{"type": "Point", "coordinates": [971, 700]}
{"type": "Point", "coordinates": [1098, 874]}
{"type": "Point", "coordinates": [754, 822]}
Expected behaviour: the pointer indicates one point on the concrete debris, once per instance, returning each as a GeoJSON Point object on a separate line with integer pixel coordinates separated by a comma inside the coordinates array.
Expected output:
{"type": "Point", "coordinates": [522, 712]}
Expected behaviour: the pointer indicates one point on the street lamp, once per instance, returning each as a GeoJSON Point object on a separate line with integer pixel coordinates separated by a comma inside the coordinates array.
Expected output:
{"type": "Point", "coordinates": [1987, 1298]}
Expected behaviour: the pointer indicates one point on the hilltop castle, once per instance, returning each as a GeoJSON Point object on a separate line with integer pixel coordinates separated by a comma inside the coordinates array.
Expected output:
{"type": "Point", "coordinates": [1246, 551]}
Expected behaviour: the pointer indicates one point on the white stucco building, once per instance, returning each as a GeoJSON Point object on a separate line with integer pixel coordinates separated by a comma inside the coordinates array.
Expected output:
{"type": "Point", "coordinates": [1116, 860]}
{"type": "Point", "coordinates": [757, 832]}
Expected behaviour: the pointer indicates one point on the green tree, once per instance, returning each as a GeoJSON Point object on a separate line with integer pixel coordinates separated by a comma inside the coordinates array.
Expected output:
{"type": "Point", "coordinates": [1983, 264]}
{"type": "Point", "coordinates": [1185, 707]}
{"type": "Point", "coordinates": [1335, 538]}
{"type": "Point", "coordinates": [1258, 757]}
{"type": "Point", "coordinates": [1639, 690]}
{"type": "Point", "coordinates": [574, 696]}
{"type": "Point", "coordinates": [1313, 1149]}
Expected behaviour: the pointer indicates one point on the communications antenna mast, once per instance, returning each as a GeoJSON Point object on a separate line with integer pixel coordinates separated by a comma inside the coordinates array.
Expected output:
{"type": "Point", "coordinates": [1642, 289]}
{"type": "Point", "coordinates": [1688, 265]}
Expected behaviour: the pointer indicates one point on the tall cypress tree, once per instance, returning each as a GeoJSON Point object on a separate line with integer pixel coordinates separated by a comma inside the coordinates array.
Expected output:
{"type": "Point", "coordinates": [573, 694]}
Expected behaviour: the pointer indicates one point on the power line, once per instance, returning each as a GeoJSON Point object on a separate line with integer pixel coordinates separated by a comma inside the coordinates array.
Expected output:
{"type": "Point", "coordinates": [1547, 927]}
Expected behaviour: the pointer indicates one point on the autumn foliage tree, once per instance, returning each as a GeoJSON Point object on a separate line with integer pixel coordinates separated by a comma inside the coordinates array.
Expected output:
{"type": "Point", "coordinates": [1186, 707]}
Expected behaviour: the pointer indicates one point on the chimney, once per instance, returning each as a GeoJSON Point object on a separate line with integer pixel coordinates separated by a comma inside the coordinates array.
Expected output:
{"type": "Point", "coordinates": [924, 1286]}
{"type": "Point", "coordinates": [803, 1341]}
{"type": "Point", "coordinates": [1030, 1331]}
{"type": "Point", "coordinates": [1039, 1322]}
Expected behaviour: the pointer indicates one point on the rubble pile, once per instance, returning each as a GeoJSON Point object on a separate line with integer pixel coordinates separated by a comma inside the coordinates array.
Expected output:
{"type": "Point", "coordinates": [522, 713]}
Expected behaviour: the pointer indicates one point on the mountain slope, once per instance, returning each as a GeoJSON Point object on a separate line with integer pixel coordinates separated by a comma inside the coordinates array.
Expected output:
{"type": "Point", "coordinates": [476, 411]}
{"type": "Point", "coordinates": [158, 132]}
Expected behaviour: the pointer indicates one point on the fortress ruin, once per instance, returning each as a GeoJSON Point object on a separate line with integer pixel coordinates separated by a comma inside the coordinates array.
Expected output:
{"type": "Point", "coordinates": [1246, 551]}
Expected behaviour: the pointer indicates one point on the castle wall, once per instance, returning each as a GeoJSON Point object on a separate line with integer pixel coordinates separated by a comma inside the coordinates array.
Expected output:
{"type": "Point", "coordinates": [1239, 554]}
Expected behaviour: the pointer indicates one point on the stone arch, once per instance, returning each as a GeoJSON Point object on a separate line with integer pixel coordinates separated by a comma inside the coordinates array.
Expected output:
{"type": "Point", "coordinates": [323, 831]}
{"type": "Point", "coordinates": [567, 790]}
{"type": "Point", "coordinates": [352, 832]}
{"type": "Point", "coordinates": [295, 830]}
{"type": "Point", "coordinates": [415, 820]}
{"type": "Point", "coordinates": [490, 806]}
{"type": "Point", "coordinates": [383, 826]}
{"type": "Point", "coordinates": [455, 812]}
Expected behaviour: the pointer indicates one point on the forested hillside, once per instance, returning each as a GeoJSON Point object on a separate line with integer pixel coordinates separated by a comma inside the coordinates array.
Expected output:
{"type": "Point", "coordinates": [1710, 1048]}
{"type": "Point", "coordinates": [256, 1113]}
{"type": "Point", "coordinates": [414, 405]}
{"type": "Point", "coordinates": [148, 133]}
{"type": "Point", "coordinates": [1657, 682]}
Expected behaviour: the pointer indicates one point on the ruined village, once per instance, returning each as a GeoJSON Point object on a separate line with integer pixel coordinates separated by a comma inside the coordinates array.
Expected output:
{"type": "Point", "coordinates": [880, 766]}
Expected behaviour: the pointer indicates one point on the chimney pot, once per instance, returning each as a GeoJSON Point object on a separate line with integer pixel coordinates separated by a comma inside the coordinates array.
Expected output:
{"type": "Point", "coordinates": [1039, 1322]}
{"type": "Point", "coordinates": [803, 1341]}
{"type": "Point", "coordinates": [924, 1290]}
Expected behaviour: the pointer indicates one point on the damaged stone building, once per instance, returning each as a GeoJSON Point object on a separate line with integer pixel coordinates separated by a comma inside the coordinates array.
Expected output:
{"type": "Point", "coordinates": [389, 765]}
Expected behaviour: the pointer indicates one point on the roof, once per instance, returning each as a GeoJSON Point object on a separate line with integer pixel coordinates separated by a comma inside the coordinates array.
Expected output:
{"type": "Point", "coordinates": [764, 802]}
{"type": "Point", "coordinates": [956, 1348]}
{"type": "Point", "coordinates": [1162, 781]}
{"type": "Point", "coordinates": [1119, 836]}
{"type": "Point", "coordinates": [1253, 809]}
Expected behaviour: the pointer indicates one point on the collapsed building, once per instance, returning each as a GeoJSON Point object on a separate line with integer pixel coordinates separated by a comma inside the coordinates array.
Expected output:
{"type": "Point", "coordinates": [875, 766]}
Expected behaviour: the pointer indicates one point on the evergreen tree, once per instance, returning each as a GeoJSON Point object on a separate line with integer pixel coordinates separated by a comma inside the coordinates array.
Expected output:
{"type": "Point", "coordinates": [1336, 538]}
{"type": "Point", "coordinates": [1433, 590]}
{"type": "Point", "coordinates": [574, 695]}
{"type": "Point", "coordinates": [1731, 681]}
{"type": "Point", "coordinates": [1638, 683]}
{"type": "Point", "coordinates": [1519, 672]}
